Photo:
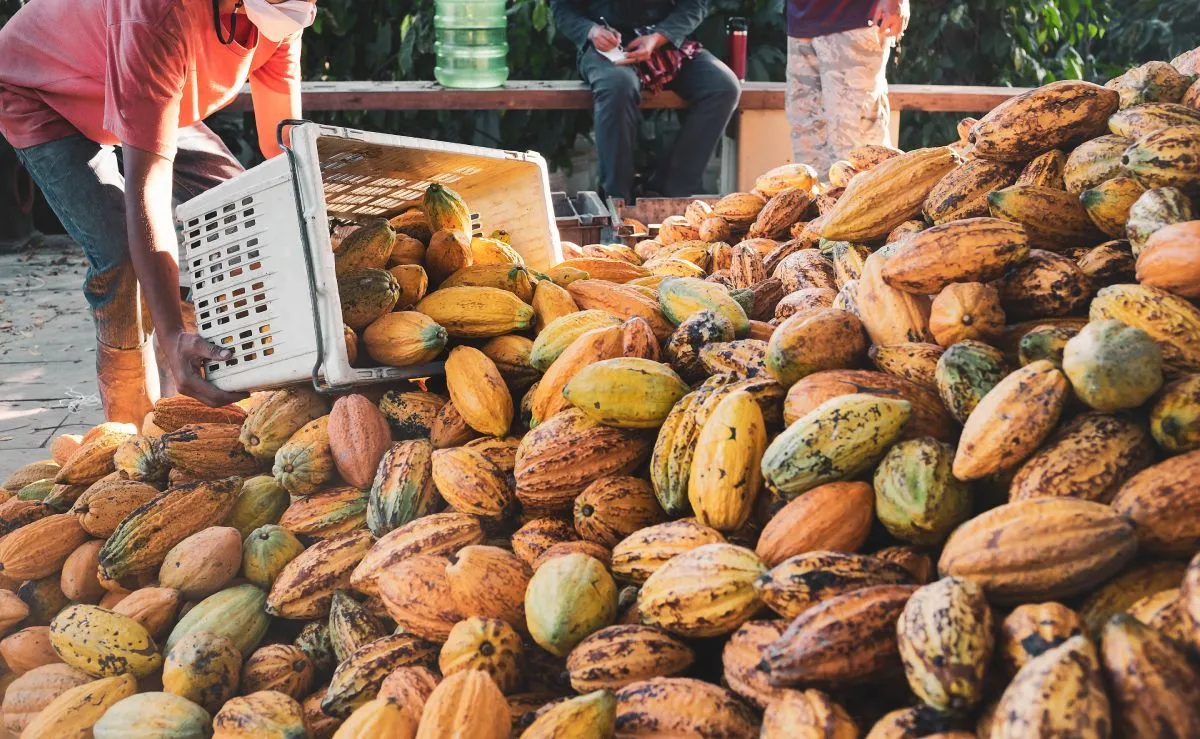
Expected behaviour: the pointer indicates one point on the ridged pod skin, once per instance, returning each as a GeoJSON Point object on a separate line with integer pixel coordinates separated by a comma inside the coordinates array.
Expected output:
{"type": "Point", "coordinates": [1108, 203]}
{"type": "Point", "coordinates": [32, 691]}
{"type": "Point", "coordinates": [743, 359]}
{"type": "Point", "coordinates": [203, 668]}
{"type": "Point", "coordinates": [304, 588]}
{"type": "Point", "coordinates": [559, 334]}
{"type": "Point", "coordinates": [966, 372]}
{"type": "Point", "coordinates": [1094, 161]}
{"type": "Point", "coordinates": [358, 437]}
{"type": "Point", "coordinates": [623, 301]}
{"type": "Point", "coordinates": [467, 705]}
{"type": "Point", "coordinates": [90, 462]}
{"type": "Point", "coordinates": [782, 210]}
{"type": "Point", "coordinates": [237, 613]}
{"type": "Point", "coordinates": [809, 452]}
{"type": "Point", "coordinates": [102, 643]}
{"type": "Point", "coordinates": [968, 250]}
{"type": "Point", "coordinates": [39, 549]}
{"type": "Point", "coordinates": [327, 513]}
{"type": "Point", "coordinates": [741, 660]}
{"type": "Point", "coordinates": [1154, 209]}
{"type": "Point", "coordinates": [470, 484]}
{"type": "Point", "coordinates": [140, 458]}
{"type": "Point", "coordinates": [915, 562]}
{"type": "Point", "coordinates": [511, 355]}
{"type": "Point", "coordinates": [1119, 594]}
{"type": "Point", "coordinates": [416, 594]}
{"type": "Point", "coordinates": [945, 638]}
{"type": "Point", "coordinates": [489, 645]}
{"type": "Point", "coordinates": [707, 591]}
{"type": "Point", "coordinates": [887, 195]}
{"type": "Point", "coordinates": [379, 718]}
{"type": "Point", "coordinates": [625, 392]}
{"type": "Point", "coordinates": [1164, 612]}
{"type": "Point", "coordinates": [815, 340]}
{"type": "Point", "coordinates": [358, 677]}
{"type": "Point", "coordinates": [470, 312]}
{"type": "Point", "coordinates": [403, 488]}
{"type": "Point", "coordinates": [612, 508]}
{"type": "Point", "coordinates": [411, 413]}
{"type": "Point", "coordinates": [261, 502]}
{"type": "Point", "coordinates": [1154, 81]}
{"type": "Point", "coordinates": [203, 563]}
{"type": "Point", "coordinates": [562, 456]}
{"type": "Point", "coordinates": [1112, 366]}
{"type": "Point", "coordinates": [266, 713]}
{"type": "Point", "coordinates": [1171, 321]}
{"type": "Point", "coordinates": [962, 311]}
{"type": "Point", "coordinates": [607, 269]}
{"type": "Point", "coordinates": [1045, 170]}
{"type": "Point", "coordinates": [928, 418]}
{"type": "Point", "coordinates": [368, 245]}
{"type": "Point", "coordinates": [643, 552]}
{"type": "Point", "coordinates": [154, 608]}
{"type": "Point", "coordinates": [1054, 220]}
{"type": "Point", "coordinates": [1140, 120]}
{"type": "Point", "coordinates": [489, 582]}
{"type": "Point", "coordinates": [351, 625]}
{"type": "Point", "coordinates": [546, 397]}
{"type": "Point", "coordinates": [281, 667]}
{"type": "Point", "coordinates": [803, 269]}
{"type": "Point", "coordinates": [590, 716]}
{"type": "Point", "coordinates": [550, 302]}
{"type": "Point", "coordinates": [835, 516]}
{"type": "Point", "coordinates": [1109, 263]}
{"type": "Point", "coordinates": [283, 413]}
{"type": "Point", "coordinates": [1044, 285]}
{"type": "Point", "coordinates": [567, 599]}
{"type": "Point", "coordinates": [409, 686]}
{"type": "Point", "coordinates": [680, 706]}
{"type": "Point", "coordinates": [1166, 158]}
{"type": "Point", "coordinates": [1155, 691]}
{"type": "Point", "coordinates": [1042, 119]}
{"type": "Point", "coordinates": [616, 656]}
{"type": "Point", "coordinates": [681, 298]}
{"type": "Point", "coordinates": [1090, 457]}
{"type": "Point", "coordinates": [807, 714]}
{"type": "Point", "coordinates": [141, 541]}
{"type": "Point", "coordinates": [478, 391]}
{"type": "Point", "coordinates": [917, 497]}
{"type": "Point", "coordinates": [805, 580]}
{"type": "Point", "coordinates": [889, 315]}
{"type": "Point", "coordinates": [1059, 693]}
{"type": "Point", "coordinates": [1032, 629]}
{"type": "Point", "coordinates": [962, 193]}
{"type": "Point", "coordinates": [174, 412]}
{"type": "Point", "coordinates": [1039, 549]}
{"type": "Point", "coordinates": [1169, 262]}
{"type": "Point", "coordinates": [1175, 417]}
{"type": "Point", "coordinates": [1163, 503]}
{"type": "Point", "coordinates": [1045, 342]}
{"type": "Point", "coordinates": [682, 349]}
{"type": "Point", "coordinates": [76, 711]}
{"type": "Point", "coordinates": [437, 534]}
{"type": "Point", "coordinates": [725, 477]}
{"type": "Point", "coordinates": [153, 715]}
{"type": "Point", "coordinates": [305, 462]}
{"type": "Point", "coordinates": [265, 553]}
{"type": "Point", "coordinates": [843, 640]}
{"type": "Point", "coordinates": [1189, 594]}
{"type": "Point", "coordinates": [313, 640]}
{"type": "Point", "coordinates": [1011, 421]}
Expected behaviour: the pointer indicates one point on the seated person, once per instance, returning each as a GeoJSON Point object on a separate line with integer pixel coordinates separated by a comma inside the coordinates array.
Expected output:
{"type": "Point", "coordinates": [709, 87]}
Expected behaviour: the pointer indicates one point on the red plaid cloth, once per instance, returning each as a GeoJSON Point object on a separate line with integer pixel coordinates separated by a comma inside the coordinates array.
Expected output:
{"type": "Point", "coordinates": [656, 73]}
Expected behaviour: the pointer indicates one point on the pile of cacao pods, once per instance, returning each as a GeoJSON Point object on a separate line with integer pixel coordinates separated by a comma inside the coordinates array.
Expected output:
{"type": "Point", "coordinates": [912, 452]}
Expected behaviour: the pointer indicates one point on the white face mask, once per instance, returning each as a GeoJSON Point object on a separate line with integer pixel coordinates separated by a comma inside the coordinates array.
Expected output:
{"type": "Point", "coordinates": [277, 21]}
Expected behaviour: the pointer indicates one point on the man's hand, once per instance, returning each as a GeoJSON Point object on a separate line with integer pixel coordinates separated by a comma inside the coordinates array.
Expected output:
{"type": "Point", "coordinates": [185, 353]}
{"type": "Point", "coordinates": [891, 17]}
{"type": "Point", "coordinates": [641, 48]}
{"type": "Point", "coordinates": [604, 38]}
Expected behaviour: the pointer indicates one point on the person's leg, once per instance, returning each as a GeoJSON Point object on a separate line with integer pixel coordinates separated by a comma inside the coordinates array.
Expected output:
{"type": "Point", "coordinates": [81, 183]}
{"type": "Point", "coordinates": [805, 107]}
{"type": "Point", "coordinates": [854, 83]}
{"type": "Point", "coordinates": [617, 94]}
{"type": "Point", "coordinates": [711, 90]}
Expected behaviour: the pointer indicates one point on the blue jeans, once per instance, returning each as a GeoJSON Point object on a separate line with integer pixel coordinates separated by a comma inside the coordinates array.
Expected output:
{"type": "Point", "coordinates": [84, 187]}
{"type": "Point", "coordinates": [711, 90]}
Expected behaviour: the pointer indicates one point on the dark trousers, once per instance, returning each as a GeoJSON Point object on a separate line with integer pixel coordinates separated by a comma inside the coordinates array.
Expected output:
{"type": "Point", "coordinates": [711, 91]}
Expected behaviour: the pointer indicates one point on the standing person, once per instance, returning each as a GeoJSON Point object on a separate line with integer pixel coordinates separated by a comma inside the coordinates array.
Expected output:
{"type": "Point", "coordinates": [837, 58]}
{"type": "Point", "coordinates": [80, 78]}
{"type": "Point", "coordinates": [709, 87]}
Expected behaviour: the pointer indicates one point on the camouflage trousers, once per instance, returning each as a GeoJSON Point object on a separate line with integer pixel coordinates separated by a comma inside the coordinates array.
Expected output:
{"type": "Point", "coordinates": [837, 94]}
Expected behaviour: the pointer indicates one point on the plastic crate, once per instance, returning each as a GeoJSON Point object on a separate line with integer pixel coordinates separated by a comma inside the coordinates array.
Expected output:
{"type": "Point", "coordinates": [583, 219]}
{"type": "Point", "coordinates": [256, 250]}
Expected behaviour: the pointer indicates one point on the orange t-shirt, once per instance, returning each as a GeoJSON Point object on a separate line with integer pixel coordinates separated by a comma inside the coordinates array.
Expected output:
{"type": "Point", "coordinates": [131, 71]}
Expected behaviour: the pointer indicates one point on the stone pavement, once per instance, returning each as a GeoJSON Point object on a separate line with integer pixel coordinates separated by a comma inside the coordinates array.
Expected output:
{"type": "Point", "coordinates": [47, 350]}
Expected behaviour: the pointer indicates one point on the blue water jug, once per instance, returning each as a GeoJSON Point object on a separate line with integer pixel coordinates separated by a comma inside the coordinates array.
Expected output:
{"type": "Point", "coordinates": [472, 43]}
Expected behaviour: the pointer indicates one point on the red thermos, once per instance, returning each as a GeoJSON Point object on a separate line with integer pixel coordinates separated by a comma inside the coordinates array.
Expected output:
{"type": "Point", "coordinates": [736, 58]}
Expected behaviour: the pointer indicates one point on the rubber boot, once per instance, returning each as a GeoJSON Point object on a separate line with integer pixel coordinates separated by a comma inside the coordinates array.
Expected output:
{"type": "Point", "coordinates": [128, 382]}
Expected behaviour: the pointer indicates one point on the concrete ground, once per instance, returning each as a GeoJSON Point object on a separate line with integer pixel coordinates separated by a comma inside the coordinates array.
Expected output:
{"type": "Point", "coordinates": [47, 350]}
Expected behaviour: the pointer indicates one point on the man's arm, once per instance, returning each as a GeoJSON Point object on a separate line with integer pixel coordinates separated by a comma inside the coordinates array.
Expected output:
{"type": "Point", "coordinates": [275, 91]}
{"type": "Point", "coordinates": [570, 20]}
{"type": "Point", "coordinates": [683, 21]}
{"type": "Point", "coordinates": [152, 249]}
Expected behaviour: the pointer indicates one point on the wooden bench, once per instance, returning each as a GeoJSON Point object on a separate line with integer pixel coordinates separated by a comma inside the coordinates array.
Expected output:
{"type": "Point", "coordinates": [574, 95]}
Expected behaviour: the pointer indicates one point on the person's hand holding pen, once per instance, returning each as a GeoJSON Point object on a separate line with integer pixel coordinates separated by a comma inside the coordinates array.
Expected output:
{"type": "Point", "coordinates": [604, 37]}
{"type": "Point", "coordinates": [642, 48]}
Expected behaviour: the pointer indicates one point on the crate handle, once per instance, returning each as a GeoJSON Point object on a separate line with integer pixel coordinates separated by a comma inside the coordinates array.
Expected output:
{"type": "Point", "coordinates": [308, 256]}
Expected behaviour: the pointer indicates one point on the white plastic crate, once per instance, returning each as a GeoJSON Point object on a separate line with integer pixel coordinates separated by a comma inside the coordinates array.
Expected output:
{"type": "Point", "coordinates": [243, 244]}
